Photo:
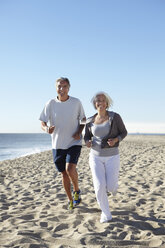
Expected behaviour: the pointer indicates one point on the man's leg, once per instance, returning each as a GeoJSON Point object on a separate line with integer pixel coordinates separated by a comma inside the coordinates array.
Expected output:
{"type": "Point", "coordinates": [67, 185]}
{"type": "Point", "coordinates": [73, 154]}
{"type": "Point", "coordinates": [59, 157]}
{"type": "Point", "coordinates": [71, 162]}
{"type": "Point", "coordinates": [73, 175]}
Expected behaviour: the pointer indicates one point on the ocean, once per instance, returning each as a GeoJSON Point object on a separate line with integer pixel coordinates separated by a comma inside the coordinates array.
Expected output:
{"type": "Point", "coordinates": [14, 145]}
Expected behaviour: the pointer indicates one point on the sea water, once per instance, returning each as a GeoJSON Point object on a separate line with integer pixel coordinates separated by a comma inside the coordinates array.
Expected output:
{"type": "Point", "coordinates": [14, 145]}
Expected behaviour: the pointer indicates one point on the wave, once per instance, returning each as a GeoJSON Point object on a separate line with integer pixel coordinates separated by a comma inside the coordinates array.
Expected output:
{"type": "Point", "coordinates": [16, 153]}
{"type": "Point", "coordinates": [18, 145]}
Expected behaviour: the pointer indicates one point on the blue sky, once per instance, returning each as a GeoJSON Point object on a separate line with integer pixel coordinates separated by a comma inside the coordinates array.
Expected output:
{"type": "Point", "coordinates": [116, 46]}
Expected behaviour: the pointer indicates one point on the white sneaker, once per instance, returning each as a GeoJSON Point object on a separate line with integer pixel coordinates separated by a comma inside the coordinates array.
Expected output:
{"type": "Point", "coordinates": [104, 219]}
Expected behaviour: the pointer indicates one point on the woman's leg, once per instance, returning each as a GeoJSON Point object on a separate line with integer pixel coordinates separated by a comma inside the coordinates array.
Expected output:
{"type": "Point", "coordinates": [97, 166]}
{"type": "Point", "coordinates": [112, 167]}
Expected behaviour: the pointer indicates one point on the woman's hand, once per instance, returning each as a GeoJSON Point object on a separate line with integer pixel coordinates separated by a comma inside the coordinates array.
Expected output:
{"type": "Point", "coordinates": [88, 143]}
{"type": "Point", "coordinates": [112, 142]}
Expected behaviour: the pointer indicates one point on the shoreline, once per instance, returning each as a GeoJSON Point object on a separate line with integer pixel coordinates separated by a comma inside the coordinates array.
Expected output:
{"type": "Point", "coordinates": [33, 204]}
{"type": "Point", "coordinates": [129, 135]}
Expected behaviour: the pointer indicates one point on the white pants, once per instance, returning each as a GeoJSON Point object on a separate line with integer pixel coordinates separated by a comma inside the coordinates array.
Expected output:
{"type": "Point", "coordinates": [105, 173]}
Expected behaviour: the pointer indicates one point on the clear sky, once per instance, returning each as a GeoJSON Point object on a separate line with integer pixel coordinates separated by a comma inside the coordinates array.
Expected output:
{"type": "Point", "coordinates": [116, 46]}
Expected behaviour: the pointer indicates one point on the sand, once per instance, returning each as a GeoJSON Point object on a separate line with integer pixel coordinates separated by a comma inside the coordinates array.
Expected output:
{"type": "Point", "coordinates": [33, 204]}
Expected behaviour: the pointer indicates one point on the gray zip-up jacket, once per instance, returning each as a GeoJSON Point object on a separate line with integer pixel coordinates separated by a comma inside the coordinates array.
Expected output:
{"type": "Point", "coordinates": [117, 129]}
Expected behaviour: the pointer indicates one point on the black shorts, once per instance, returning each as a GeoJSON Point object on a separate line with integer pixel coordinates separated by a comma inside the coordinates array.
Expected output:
{"type": "Point", "coordinates": [63, 156]}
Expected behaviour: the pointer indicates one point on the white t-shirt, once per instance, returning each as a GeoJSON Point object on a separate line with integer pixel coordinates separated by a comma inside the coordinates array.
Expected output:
{"type": "Point", "coordinates": [65, 116]}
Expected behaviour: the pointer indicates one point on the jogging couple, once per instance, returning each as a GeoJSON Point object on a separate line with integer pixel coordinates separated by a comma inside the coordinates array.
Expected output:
{"type": "Point", "coordinates": [63, 117]}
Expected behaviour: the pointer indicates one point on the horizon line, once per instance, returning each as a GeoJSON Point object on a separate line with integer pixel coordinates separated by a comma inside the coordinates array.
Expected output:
{"type": "Point", "coordinates": [129, 133]}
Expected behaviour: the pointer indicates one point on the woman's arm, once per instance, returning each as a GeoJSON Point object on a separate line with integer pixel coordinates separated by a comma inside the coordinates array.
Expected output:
{"type": "Point", "coordinates": [88, 136]}
{"type": "Point", "coordinates": [121, 128]}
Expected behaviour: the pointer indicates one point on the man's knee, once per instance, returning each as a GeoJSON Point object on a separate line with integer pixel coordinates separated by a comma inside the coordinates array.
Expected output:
{"type": "Point", "coordinates": [70, 168]}
{"type": "Point", "coordinates": [64, 174]}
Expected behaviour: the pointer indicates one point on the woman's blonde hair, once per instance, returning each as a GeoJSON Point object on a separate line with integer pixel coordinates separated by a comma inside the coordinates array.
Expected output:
{"type": "Point", "coordinates": [109, 101]}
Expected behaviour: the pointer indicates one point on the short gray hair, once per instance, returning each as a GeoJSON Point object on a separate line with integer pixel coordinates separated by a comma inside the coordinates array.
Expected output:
{"type": "Point", "coordinates": [63, 79]}
{"type": "Point", "coordinates": [107, 97]}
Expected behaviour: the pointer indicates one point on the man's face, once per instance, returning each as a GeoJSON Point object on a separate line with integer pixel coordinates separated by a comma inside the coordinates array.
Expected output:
{"type": "Point", "coordinates": [62, 88]}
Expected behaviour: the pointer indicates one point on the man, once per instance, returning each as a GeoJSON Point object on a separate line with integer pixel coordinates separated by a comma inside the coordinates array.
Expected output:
{"type": "Point", "coordinates": [64, 114]}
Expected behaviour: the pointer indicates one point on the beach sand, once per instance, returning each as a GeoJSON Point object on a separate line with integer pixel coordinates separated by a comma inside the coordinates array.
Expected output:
{"type": "Point", "coordinates": [33, 204]}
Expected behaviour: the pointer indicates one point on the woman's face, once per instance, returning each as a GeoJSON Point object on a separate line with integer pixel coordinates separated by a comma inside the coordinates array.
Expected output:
{"type": "Point", "coordinates": [100, 102]}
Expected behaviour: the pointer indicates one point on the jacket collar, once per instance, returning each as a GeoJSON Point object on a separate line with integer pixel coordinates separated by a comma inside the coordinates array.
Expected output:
{"type": "Point", "coordinates": [110, 114]}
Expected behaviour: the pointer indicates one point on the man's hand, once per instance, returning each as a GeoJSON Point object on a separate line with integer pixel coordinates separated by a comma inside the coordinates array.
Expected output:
{"type": "Point", "coordinates": [50, 129]}
{"type": "Point", "coordinates": [77, 136]}
{"type": "Point", "coordinates": [88, 143]}
{"type": "Point", "coordinates": [47, 129]}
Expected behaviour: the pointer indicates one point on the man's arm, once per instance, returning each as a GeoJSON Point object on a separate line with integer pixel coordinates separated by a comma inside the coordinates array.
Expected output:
{"type": "Point", "coordinates": [77, 134]}
{"type": "Point", "coordinates": [47, 129]}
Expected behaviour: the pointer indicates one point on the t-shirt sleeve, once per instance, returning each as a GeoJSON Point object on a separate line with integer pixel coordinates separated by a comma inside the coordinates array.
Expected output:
{"type": "Point", "coordinates": [81, 112]}
{"type": "Point", "coordinates": [45, 114]}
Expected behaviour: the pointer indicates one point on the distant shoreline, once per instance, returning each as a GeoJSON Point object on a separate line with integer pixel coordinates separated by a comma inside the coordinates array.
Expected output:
{"type": "Point", "coordinates": [128, 133]}
{"type": "Point", "coordinates": [146, 133]}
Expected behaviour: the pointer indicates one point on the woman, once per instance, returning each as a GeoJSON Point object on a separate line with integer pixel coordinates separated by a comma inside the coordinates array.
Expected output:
{"type": "Point", "coordinates": [103, 133]}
